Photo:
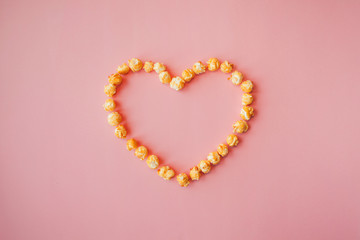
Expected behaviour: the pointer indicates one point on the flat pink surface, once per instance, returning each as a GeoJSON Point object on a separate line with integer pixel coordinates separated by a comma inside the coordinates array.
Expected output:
{"type": "Point", "coordinates": [295, 174]}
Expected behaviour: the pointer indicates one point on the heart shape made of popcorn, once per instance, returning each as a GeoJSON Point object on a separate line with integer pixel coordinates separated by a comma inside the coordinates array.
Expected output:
{"type": "Point", "coordinates": [178, 83]}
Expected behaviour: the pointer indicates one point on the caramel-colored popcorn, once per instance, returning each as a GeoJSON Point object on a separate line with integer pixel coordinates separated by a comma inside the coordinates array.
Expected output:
{"type": "Point", "coordinates": [223, 150]}
{"type": "Point", "coordinates": [120, 131]}
{"type": "Point", "coordinates": [177, 83]}
{"type": "Point", "coordinates": [141, 152]}
{"type": "Point", "coordinates": [213, 64]}
{"type": "Point", "coordinates": [236, 77]}
{"type": "Point", "coordinates": [232, 140]}
{"type": "Point", "coordinates": [247, 99]}
{"type": "Point", "coordinates": [135, 64]}
{"type": "Point", "coordinates": [214, 158]}
{"type": "Point", "coordinates": [199, 67]}
{"type": "Point", "coordinates": [109, 105]}
{"type": "Point", "coordinates": [247, 86]}
{"type": "Point", "coordinates": [226, 67]}
{"type": "Point", "coordinates": [110, 90]}
{"type": "Point", "coordinates": [131, 144]}
{"type": "Point", "coordinates": [204, 166]}
{"type": "Point", "coordinates": [240, 126]}
{"type": "Point", "coordinates": [152, 161]}
{"type": "Point", "coordinates": [159, 67]}
{"type": "Point", "coordinates": [165, 77]}
{"type": "Point", "coordinates": [183, 179]}
{"type": "Point", "coordinates": [123, 69]}
{"type": "Point", "coordinates": [166, 172]}
{"type": "Point", "coordinates": [247, 112]}
{"type": "Point", "coordinates": [114, 118]}
{"type": "Point", "coordinates": [195, 173]}
{"type": "Point", "coordinates": [188, 74]}
{"type": "Point", "coordinates": [115, 79]}
{"type": "Point", "coordinates": [148, 66]}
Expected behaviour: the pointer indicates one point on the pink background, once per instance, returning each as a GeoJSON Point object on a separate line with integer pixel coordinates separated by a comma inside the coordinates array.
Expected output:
{"type": "Point", "coordinates": [295, 174]}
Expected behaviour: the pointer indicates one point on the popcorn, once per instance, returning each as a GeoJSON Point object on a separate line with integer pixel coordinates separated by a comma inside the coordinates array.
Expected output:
{"type": "Point", "coordinates": [213, 64]}
{"type": "Point", "coordinates": [120, 131]}
{"type": "Point", "coordinates": [223, 150]}
{"type": "Point", "coordinates": [131, 144]}
{"type": "Point", "coordinates": [240, 126]}
{"type": "Point", "coordinates": [109, 105]}
{"type": "Point", "coordinates": [114, 118]}
{"type": "Point", "coordinates": [166, 172]}
{"type": "Point", "coordinates": [159, 67]}
{"type": "Point", "coordinates": [152, 161]}
{"type": "Point", "coordinates": [183, 179]}
{"type": "Point", "coordinates": [199, 67]}
{"type": "Point", "coordinates": [195, 173]}
{"type": "Point", "coordinates": [115, 79]}
{"type": "Point", "coordinates": [236, 77]}
{"type": "Point", "coordinates": [247, 99]}
{"type": "Point", "coordinates": [148, 66]}
{"type": "Point", "coordinates": [247, 112]}
{"type": "Point", "coordinates": [141, 152]}
{"type": "Point", "coordinates": [232, 140]}
{"type": "Point", "coordinates": [135, 64]}
{"type": "Point", "coordinates": [123, 69]}
{"type": "Point", "coordinates": [177, 83]}
{"type": "Point", "coordinates": [247, 86]}
{"type": "Point", "coordinates": [214, 158]}
{"type": "Point", "coordinates": [188, 74]}
{"type": "Point", "coordinates": [165, 77]}
{"type": "Point", "coordinates": [204, 166]}
{"type": "Point", "coordinates": [226, 67]}
{"type": "Point", "coordinates": [110, 90]}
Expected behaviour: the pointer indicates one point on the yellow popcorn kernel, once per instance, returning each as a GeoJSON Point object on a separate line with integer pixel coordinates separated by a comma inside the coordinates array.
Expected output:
{"type": "Point", "coordinates": [148, 66]}
{"type": "Point", "coordinates": [110, 90]}
{"type": "Point", "coordinates": [152, 161]}
{"type": "Point", "coordinates": [213, 64]}
{"type": "Point", "coordinates": [214, 158]}
{"type": "Point", "coordinates": [247, 99]}
{"type": "Point", "coordinates": [188, 74]}
{"type": "Point", "coordinates": [195, 173]}
{"type": "Point", "coordinates": [141, 152]}
{"type": "Point", "coordinates": [135, 64]}
{"type": "Point", "coordinates": [115, 79]}
{"type": "Point", "coordinates": [236, 77]}
{"type": "Point", "coordinates": [232, 140]}
{"type": "Point", "coordinates": [109, 105]}
{"type": "Point", "coordinates": [183, 179]}
{"type": "Point", "coordinates": [223, 150]}
{"type": "Point", "coordinates": [123, 69]}
{"type": "Point", "coordinates": [177, 83]}
{"type": "Point", "coordinates": [131, 144]}
{"type": "Point", "coordinates": [226, 67]}
{"type": "Point", "coordinates": [204, 166]}
{"type": "Point", "coordinates": [114, 118]}
{"type": "Point", "coordinates": [120, 131]}
{"type": "Point", "coordinates": [159, 67]}
{"type": "Point", "coordinates": [247, 86]}
{"type": "Point", "coordinates": [240, 126]}
{"type": "Point", "coordinates": [199, 67]}
{"type": "Point", "coordinates": [166, 172]}
{"type": "Point", "coordinates": [247, 112]}
{"type": "Point", "coordinates": [165, 77]}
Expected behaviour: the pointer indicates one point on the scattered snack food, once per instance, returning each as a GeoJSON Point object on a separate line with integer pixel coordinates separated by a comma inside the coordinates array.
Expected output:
{"type": "Point", "coordinates": [131, 144]}
{"type": "Point", "coordinates": [135, 64]}
{"type": "Point", "coordinates": [213, 64]}
{"type": "Point", "coordinates": [223, 150]}
{"type": "Point", "coordinates": [152, 161]}
{"type": "Point", "coordinates": [123, 69]}
{"type": "Point", "coordinates": [247, 99]}
{"type": "Point", "coordinates": [159, 67]}
{"type": "Point", "coordinates": [226, 67]}
{"type": "Point", "coordinates": [110, 90]}
{"type": "Point", "coordinates": [236, 77]}
{"type": "Point", "coordinates": [183, 179]}
{"type": "Point", "coordinates": [205, 166]}
{"type": "Point", "coordinates": [232, 140]}
{"type": "Point", "coordinates": [109, 105]}
{"type": "Point", "coordinates": [247, 112]}
{"type": "Point", "coordinates": [114, 118]}
{"type": "Point", "coordinates": [199, 67]}
{"type": "Point", "coordinates": [240, 126]}
{"type": "Point", "coordinates": [115, 79]}
{"type": "Point", "coordinates": [214, 158]}
{"type": "Point", "coordinates": [166, 172]}
{"type": "Point", "coordinates": [165, 77]}
{"type": "Point", "coordinates": [188, 74]}
{"type": "Point", "coordinates": [148, 66]}
{"type": "Point", "coordinates": [247, 86]}
{"type": "Point", "coordinates": [195, 173]}
{"type": "Point", "coordinates": [141, 152]}
{"type": "Point", "coordinates": [120, 131]}
{"type": "Point", "coordinates": [177, 83]}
